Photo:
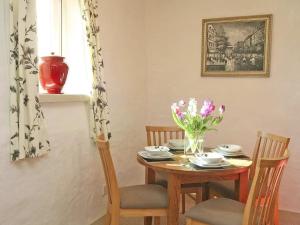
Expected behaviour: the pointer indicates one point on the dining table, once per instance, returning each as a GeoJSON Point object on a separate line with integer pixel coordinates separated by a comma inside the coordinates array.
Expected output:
{"type": "Point", "coordinates": [181, 171]}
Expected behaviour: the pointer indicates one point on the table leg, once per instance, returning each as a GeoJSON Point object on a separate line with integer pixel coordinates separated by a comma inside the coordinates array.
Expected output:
{"type": "Point", "coordinates": [149, 179]}
{"type": "Point", "coordinates": [149, 176]}
{"type": "Point", "coordinates": [241, 187]}
{"type": "Point", "coordinates": [205, 191]}
{"type": "Point", "coordinates": [174, 199]}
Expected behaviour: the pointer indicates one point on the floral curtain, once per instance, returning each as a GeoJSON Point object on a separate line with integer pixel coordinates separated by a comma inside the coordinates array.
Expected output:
{"type": "Point", "coordinates": [99, 111]}
{"type": "Point", "coordinates": [28, 137]}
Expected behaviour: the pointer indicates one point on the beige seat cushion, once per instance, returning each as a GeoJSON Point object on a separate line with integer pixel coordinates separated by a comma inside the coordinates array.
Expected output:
{"type": "Point", "coordinates": [219, 211]}
{"type": "Point", "coordinates": [144, 197]}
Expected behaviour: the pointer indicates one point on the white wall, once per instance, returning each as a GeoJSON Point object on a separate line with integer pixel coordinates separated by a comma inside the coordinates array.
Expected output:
{"type": "Point", "coordinates": [270, 104]}
{"type": "Point", "coordinates": [65, 187]}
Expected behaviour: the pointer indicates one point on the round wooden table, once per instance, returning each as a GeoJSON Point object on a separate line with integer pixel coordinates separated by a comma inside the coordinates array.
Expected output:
{"type": "Point", "coordinates": [180, 171]}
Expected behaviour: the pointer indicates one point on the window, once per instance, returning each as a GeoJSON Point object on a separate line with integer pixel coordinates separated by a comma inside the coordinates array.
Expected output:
{"type": "Point", "coordinates": [61, 30]}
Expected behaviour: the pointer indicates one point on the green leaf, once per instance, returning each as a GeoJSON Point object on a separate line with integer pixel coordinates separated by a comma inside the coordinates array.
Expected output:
{"type": "Point", "coordinates": [27, 67]}
{"type": "Point", "coordinates": [13, 89]}
{"type": "Point", "coordinates": [14, 136]}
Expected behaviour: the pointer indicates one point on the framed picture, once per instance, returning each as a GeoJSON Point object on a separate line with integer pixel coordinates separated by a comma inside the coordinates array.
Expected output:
{"type": "Point", "coordinates": [236, 46]}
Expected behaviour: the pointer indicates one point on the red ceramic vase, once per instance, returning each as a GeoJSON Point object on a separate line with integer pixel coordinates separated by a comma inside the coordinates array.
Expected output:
{"type": "Point", "coordinates": [53, 74]}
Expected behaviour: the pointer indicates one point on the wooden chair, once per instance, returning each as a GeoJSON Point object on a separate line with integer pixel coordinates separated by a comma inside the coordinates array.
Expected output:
{"type": "Point", "coordinates": [133, 201]}
{"type": "Point", "coordinates": [267, 146]}
{"type": "Point", "coordinates": [259, 207]}
{"type": "Point", "coordinates": [159, 135]}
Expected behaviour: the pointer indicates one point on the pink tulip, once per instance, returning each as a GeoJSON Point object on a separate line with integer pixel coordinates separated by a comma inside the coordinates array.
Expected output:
{"type": "Point", "coordinates": [207, 108]}
{"type": "Point", "coordinates": [174, 107]}
{"type": "Point", "coordinates": [222, 109]}
{"type": "Point", "coordinates": [181, 103]}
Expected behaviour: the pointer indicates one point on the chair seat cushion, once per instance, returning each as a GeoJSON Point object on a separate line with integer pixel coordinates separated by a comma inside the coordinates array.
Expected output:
{"type": "Point", "coordinates": [220, 211]}
{"type": "Point", "coordinates": [144, 197]}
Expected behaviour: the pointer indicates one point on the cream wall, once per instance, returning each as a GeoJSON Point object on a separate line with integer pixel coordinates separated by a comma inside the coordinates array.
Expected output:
{"type": "Point", "coordinates": [66, 186]}
{"type": "Point", "coordinates": [123, 29]}
{"type": "Point", "coordinates": [173, 34]}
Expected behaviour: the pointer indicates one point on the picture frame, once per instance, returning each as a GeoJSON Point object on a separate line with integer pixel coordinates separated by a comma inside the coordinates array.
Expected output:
{"type": "Point", "coordinates": [236, 46]}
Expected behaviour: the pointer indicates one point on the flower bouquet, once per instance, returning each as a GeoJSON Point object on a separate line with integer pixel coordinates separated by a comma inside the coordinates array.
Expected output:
{"type": "Point", "coordinates": [196, 124]}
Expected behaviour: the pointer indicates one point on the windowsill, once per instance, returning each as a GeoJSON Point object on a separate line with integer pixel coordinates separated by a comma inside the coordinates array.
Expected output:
{"type": "Point", "coordinates": [63, 98]}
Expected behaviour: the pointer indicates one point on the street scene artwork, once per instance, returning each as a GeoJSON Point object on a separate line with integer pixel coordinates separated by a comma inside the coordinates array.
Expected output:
{"type": "Point", "coordinates": [236, 46]}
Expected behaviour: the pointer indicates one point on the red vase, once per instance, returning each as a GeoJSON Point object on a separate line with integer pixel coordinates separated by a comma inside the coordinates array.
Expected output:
{"type": "Point", "coordinates": [53, 73]}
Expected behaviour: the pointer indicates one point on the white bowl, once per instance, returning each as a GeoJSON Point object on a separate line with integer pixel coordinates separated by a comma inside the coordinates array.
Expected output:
{"type": "Point", "coordinates": [230, 148]}
{"type": "Point", "coordinates": [176, 142]}
{"type": "Point", "coordinates": [157, 148]}
{"type": "Point", "coordinates": [210, 157]}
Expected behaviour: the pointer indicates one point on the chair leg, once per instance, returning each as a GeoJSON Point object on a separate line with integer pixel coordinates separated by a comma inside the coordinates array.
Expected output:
{"type": "Point", "coordinates": [183, 203]}
{"type": "Point", "coordinates": [276, 213]}
{"type": "Point", "coordinates": [189, 221]}
{"type": "Point", "coordinates": [205, 192]}
{"type": "Point", "coordinates": [115, 218]}
{"type": "Point", "coordinates": [156, 220]}
{"type": "Point", "coordinates": [147, 220]}
{"type": "Point", "coordinates": [198, 196]}
{"type": "Point", "coordinates": [107, 219]}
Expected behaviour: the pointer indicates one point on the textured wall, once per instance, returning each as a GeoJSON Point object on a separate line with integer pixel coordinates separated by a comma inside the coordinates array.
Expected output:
{"type": "Point", "coordinates": [173, 32]}
{"type": "Point", "coordinates": [125, 72]}
{"type": "Point", "coordinates": [65, 187]}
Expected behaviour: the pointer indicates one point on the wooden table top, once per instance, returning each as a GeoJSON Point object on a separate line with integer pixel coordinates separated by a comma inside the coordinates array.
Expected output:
{"type": "Point", "coordinates": [180, 164]}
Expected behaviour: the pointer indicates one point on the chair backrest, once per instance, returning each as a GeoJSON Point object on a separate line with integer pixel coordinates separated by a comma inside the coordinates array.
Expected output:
{"type": "Point", "coordinates": [109, 171]}
{"type": "Point", "coordinates": [158, 135]}
{"type": "Point", "coordinates": [260, 205]}
{"type": "Point", "coordinates": [268, 146]}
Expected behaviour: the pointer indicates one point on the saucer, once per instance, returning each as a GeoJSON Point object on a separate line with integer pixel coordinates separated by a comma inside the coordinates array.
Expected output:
{"type": "Point", "coordinates": [201, 163]}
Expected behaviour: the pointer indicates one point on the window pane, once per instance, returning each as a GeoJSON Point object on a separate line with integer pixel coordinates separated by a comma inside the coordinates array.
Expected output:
{"type": "Point", "coordinates": [48, 26]}
{"type": "Point", "coordinates": [74, 44]}
{"type": "Point", "coordinates": [75, 49]}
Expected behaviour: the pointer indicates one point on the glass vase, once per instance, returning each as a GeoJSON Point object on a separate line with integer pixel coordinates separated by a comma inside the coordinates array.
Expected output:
{"type": "Point", "coordinates": [193, 143]}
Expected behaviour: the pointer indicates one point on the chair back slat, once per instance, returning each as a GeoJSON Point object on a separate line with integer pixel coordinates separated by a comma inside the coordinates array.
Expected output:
{"type": "Point", "coordinates": [109, 171]}
{"type": "Point", "coordinates": [165, 137]}
{"type": "Point", "coordinates": [268, 146]}
{"type": "Point", "coordinates": [159, 135]}
{"type": "Point", "coordinates": [264, 190]}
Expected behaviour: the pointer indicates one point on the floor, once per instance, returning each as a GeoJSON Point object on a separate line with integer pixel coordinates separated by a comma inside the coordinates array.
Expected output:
{"type": "Point", "coordinates": [286, 218]}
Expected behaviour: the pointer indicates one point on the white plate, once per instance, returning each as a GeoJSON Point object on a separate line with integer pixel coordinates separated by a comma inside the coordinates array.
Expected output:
{"type": "Point", "coordinates": [201, 163]}
{"type": "Point", "coordinates": [239, 153]}
{"type": "Point", "coordinates": [230, 148]}
{"type": "Point", "coordinates": [155, 155]}
{"type": "Point", "coordinates": [157, 148]}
